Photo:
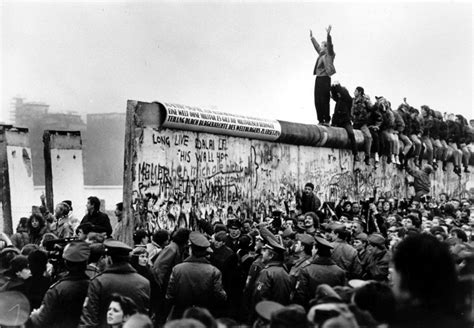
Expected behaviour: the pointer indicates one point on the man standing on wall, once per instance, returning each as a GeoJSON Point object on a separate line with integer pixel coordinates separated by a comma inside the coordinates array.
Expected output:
{"type": "Point", "coordinates": [323, 70]}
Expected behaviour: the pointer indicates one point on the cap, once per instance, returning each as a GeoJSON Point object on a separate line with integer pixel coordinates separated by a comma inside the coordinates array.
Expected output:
{"type": "Point", "coordinates": [77, 252]}
{"type": "Point", "coordinates": [326, 294]}
{"type": "Point", "coordinates": [305, 238]}
{"type": "Point", "coordinates": [271, 240]}
{"type": "Point", "coordinates": [233, 224]}
{"type": "Point", "coordinates": [265, 309]}
{"type": "Point", "coordinates": [14, 307]}
{"type": "Point", "coordinates": [198, 239]}
{"type": "Point", "coordinates": [116, 248]}
{"type": "Point", "coordinates": [376, 239]}
{"type": "Point", "coordinates": [137, 251]}
{"type": "Point", "coordinates": [361, 236]}
{"type": "Point", "coordinates": [289, 316]}
{"type": "Point", "coordinates": [321, 242]}
{"type": "Point", "coordinates": [356, 283]}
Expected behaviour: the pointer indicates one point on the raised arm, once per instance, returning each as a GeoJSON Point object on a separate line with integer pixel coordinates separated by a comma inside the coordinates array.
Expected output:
{"type": "Point", "coordinates": [330, 46]}
{"type": "Point", "coordinates": [315, 43]}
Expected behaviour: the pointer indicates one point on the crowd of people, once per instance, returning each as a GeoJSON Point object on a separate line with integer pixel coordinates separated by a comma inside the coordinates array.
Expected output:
{"type": "Point", "coordinates": [373, 263]}
{"type": "Point", "coordinates": [400, 133]}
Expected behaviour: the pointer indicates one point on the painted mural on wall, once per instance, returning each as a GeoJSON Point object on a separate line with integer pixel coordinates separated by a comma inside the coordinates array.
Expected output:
{"type": "Point", "coordinates": [179, 176]}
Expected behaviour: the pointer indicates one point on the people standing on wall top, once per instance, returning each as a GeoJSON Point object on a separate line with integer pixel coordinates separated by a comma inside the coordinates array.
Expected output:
{"type": "Point", "coordinates": [99, 220]}
{"type": "Point", "coordinates": [323, 69]}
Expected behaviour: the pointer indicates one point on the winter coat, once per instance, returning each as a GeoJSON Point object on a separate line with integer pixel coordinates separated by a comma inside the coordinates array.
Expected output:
{"type": "Point", "coordinates": [119, 278]}
{"type": "Point", "coordinates": [345, 256]}
{"type": "Point", "coordinates": [20, 238]}
{"type": "Point", "coordinates": [399, 122]}
{"type": "Point", "coordinates": [62, 304]}
{"type": "Point", "coordinates": [342, 110]}
{"type": "Point", "coordinates": [195, 282]}
{"type": "Point", "coordinates": [100, 220]}
{"type": "Point", "coordinates": [273, 284]}
{"type": "Point", "coordinates": [323, 270]}
{"type": "Point", "coordinates": [361, 109]}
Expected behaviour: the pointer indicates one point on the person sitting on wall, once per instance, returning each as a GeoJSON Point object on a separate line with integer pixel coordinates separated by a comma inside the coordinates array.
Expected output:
{"type": "Point", "coordinates": [361, 106]}
{"type": "Point", "coordinates": [96, 217]}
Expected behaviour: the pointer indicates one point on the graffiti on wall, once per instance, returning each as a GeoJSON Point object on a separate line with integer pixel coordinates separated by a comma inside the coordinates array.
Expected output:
{"type": "Point", "coordinates": [182, 176]}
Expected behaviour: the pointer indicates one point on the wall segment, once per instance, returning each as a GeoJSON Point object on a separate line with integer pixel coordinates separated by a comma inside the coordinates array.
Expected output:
{"type": "Point", "coordinates": [16, 177]}
{"type": "Point", "coordinates": [177, 175]}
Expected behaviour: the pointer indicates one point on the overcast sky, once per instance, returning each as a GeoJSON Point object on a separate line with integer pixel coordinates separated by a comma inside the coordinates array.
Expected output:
{"type": "Point", "coordinates": [241, 57]}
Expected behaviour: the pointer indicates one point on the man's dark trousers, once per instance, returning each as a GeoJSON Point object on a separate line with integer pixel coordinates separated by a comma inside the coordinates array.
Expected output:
{"type": "Point", "coordinates": [322, 97]}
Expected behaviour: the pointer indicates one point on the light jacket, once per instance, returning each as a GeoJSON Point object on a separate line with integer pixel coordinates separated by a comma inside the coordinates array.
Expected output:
{"type": "Point", "coordinates": [326, 58]}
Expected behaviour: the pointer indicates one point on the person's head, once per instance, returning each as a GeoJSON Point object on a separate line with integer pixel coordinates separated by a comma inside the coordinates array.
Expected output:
{"type": "Point", "coordinates": [387, 206]}
{"type": "Point", "coordinates": [357, 227]}
{"type": "Point", "coordinates": [246, 226]}
{"type": "Point", "coordinates": [22, 224]}
{"type": "Point", "coordinates": [140, 237]}
{"type": "Point", "coordinates": [20, 267]}
{"type": "Point", "coordinates": [269, 254]}
{"type": "Point", "coordinates": [359, 91]}
{"type": "Point", "coordinates": [323, 247]}
{"type": "Point", "coordinates": [355, 208]}
{"type": "Point", "coordinates": [37, 260]}
{"type": "Point", "coordinates": [161, 237]}
{"type": "Point", "coordinates": [304, 244]}
{"type": "Point", "coordinates": [83, 230]}
{"type": "Point", "coordinates": [184, 323]}
{"type": "Point", "coordinates": [443, 197]}
{"type": "Point", "coordinates": [36, 222]}
{"type": "Point", "coordinates": [202, 315]}
{"type": "Point", "coordinates": [347, 206]}
{"type": "Point", "coordinates": [458, 235]}
{"type": "Point", "coordinates": [120, 309]}
{"type": "Point", "coordinates": [138, 320]}
{"type": "Point", "coordinates": [300, 222]}
{"type": "Point", "coordinates": [378, 299]}
{"type": "Point", "coordinates": [28, 249]}
{"type": "Point", "coordinates": [75, 256]}
{"type": "Point", "coordinates": [324, 46]}
{"type": "Point", "coordinates": [93, 204]}
{"type": "Point", "coordinates": [342, 234]}
{"type": "Point", "coordinates": [308, 188]}
{"type": "Point", "coordinates": [234, 232]}
{"type": "Point", "coordinates": [311, 220]}
{"type": "Point", "coordinates": [290, 316]}
{"type": "Point", "coordinates": [360, 241]}
{"type": "Point", "coordinates": [119, 211]}
{"type": "Point", "coordinates": [424, 273]}
{"type": "Point", "coordinates": [181, 237]}
{"type": "Point", "coordinates": [220, 239]}
{"type": "Point", "coordinates": [97, 253]}
{"type": "Point", "coordinates": [61, 210]}
{"type": "Point", "coordinates": [139, 257]}
{"type": "Point", "coordinates": [116, 252]}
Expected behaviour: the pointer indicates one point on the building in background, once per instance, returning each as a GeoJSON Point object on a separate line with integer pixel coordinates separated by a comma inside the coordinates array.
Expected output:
{"type": "Point", "coordinates": [103, 146]}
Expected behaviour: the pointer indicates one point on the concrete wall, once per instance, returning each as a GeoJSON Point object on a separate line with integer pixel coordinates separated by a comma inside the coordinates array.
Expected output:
{"type": "Point", "coordinates": [176, 175]}
{"type": "Point", "coordinates": [17, 194]}
{"type": "Point", "coordinates": [63, 168]}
